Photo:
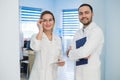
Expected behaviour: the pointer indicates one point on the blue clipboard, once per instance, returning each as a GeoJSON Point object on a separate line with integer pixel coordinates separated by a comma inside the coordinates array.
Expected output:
{"type": "Point", "coordinates": [80, 43]}
{"type": "Point", "coordinates": [82, 61]}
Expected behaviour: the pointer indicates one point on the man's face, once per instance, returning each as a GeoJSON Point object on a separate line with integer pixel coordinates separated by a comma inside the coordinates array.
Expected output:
{"type": "Point", "coordinates": [85, 15]}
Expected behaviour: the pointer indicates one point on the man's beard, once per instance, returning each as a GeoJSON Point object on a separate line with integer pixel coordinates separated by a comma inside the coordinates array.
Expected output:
{"type": "Point", "coordinates": [86, 22]}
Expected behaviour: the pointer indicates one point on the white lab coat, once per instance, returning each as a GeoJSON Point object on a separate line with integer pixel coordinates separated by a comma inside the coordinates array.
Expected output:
{"type": "Point", "coordinates": [47, 54]}
{"type": "Point", "coordinates": [93, 47]}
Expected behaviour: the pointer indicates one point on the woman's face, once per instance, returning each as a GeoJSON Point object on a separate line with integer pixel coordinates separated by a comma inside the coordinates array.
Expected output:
{"type": "Point", "coordinates": [48, 22]}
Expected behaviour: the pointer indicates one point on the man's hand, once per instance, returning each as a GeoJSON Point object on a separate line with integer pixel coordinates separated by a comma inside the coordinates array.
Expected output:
{"type": "Point", "coordinates": [70, 48]}
{"type": "Point", "coordinates": [88, 57]}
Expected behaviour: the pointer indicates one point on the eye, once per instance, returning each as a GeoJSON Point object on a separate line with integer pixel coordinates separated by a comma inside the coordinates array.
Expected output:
{"type": "Point", "coordinates": [50, 19]}
{"type": "Point", "coordinates": [87, 12]}
{"type": "Point", "coordinates": [44, 20]}
{"type": "Point", "coordinates": [80, 13]}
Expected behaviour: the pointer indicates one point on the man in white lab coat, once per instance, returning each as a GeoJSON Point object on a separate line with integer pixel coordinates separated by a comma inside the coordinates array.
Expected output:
{"type": "Point", "coordinates": [86, 47]}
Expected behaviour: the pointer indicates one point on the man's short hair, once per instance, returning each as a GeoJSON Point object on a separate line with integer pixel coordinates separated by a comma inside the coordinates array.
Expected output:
{"type": "Point", "coordinates": [86, 5]}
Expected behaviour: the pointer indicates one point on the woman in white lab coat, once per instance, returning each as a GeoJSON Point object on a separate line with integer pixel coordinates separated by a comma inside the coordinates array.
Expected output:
{"type": "Point", "coordinates": [48, 49]}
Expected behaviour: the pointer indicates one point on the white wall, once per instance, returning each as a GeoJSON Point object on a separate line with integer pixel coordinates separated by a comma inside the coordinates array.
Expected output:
{"type": "Point", "coordinates": [9, 41]}
{"type": "Point", "coordinates": [112, 69]}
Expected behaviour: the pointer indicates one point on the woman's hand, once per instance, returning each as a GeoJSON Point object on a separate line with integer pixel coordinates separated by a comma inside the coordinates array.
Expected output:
{"type": "Point", "coordinates": [40, 25]}
{"type": "Point", "coordinates": [61, 63]}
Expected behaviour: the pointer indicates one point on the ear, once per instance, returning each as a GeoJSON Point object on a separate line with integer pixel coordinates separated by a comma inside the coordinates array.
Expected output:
{"type": "Point", "coordinates": [92, 14]}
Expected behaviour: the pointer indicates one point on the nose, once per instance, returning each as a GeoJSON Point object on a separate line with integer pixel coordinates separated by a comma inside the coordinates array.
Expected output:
{"type": "Point", "coordinates": [47, 22]}
{"type": "Point", "coordinates": [83, 15]}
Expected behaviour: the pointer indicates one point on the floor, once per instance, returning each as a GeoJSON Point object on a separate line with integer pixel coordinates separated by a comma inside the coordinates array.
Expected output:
{"type": "Point", "coordinates": [64, 73]}
{"type": "Point", "coordinates": [23, 76]}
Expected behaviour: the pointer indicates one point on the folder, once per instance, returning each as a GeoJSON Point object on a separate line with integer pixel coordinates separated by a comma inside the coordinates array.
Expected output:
{"type": "Point", "coordinates": [82, 61]}
{"type": "Point", "coordinates": [80, 43]}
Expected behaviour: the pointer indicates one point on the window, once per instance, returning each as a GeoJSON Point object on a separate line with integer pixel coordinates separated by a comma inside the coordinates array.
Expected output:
{"type": "Point", "coordinates": [28, 18]}
{"type": "Point", "coordinates": [70, 22]}
{"type": "Point", "coordinates": [70, 25]}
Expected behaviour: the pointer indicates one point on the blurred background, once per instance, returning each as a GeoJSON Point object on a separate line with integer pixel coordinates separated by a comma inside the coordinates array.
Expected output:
{"type": "Point", "coordinates": [18, 22]}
